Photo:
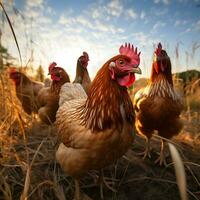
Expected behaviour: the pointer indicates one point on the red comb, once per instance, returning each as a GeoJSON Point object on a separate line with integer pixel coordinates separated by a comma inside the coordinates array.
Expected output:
{"type": "Point", "coordinates": [52, 65]}
{"type": "Point", "coordinates": [11, 69]}
{"type": "Point", "coordinates": [128, 50]}
{"type": "Point", "coordinates": [86, 55]}
{"type": "Point", "coordinates": [158, 50]}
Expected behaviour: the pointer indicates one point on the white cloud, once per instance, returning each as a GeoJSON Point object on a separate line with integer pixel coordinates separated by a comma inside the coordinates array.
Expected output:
{"type": "Point", "coordinates": [131, 13]}
{"type": "Point", "coordinates": [180, 22]}
{"type": "Point", "coordinates": [198, 25]}
{"type": "Point", "coordinates": [187, 30]}
{"type": "Point", "coordinates": [194, 26]}
{"type": "Point", "coordinates": [95, 14]}
{"type": "Point", "coordinates": [109, 11]}
{"type": "Point", "coordinates": [115, 8]}
{"type": "Point", "coordinates": [161, 12]}
{"type": "Point", "coordinates": [35, 3]}
{"type": "Point", "coordinates": [159, 24]}
{"type": "Point", "coordinates": [45, 20]}
{"type": "Point", "coordinates": [30, 13]}
{"type": "Point", "coordinates": [144, 39]}
{"type": "Point", "coordinates": [85, 22]}
{"type": "Point", "coordinates": [65, 20]}
{"type": "Point", "coordinates": [101, 27]}
{"type": "Point", "coordinates": [177, 22]}
{"type": "Point", "coordinates": [166, 2]}
{"type": "Point", "coordinates": [143, 14]}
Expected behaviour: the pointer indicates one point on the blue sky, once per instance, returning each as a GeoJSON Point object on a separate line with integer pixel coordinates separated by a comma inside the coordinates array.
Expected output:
{"type": "Point", "coordinates": [61, 30]}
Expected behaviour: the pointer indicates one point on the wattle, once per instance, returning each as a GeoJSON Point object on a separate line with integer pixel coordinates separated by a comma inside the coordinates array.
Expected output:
{"type": "Point", "coordinates": [127, 80]}
{"type": "Point", "coordinates": [55, 78]}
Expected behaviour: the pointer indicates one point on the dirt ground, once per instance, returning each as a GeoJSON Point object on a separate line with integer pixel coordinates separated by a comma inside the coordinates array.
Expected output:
{"type": "Point", "coordinates": [131, 177]}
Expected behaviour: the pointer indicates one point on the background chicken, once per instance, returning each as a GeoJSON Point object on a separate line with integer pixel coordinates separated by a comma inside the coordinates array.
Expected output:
{"type": "Point", "coordinates": [97, 130]}
{"type": "Point", "coordinates": [82, 75]}
{"type": "Point", "coordinates": [48, 97]}
{"type": "Point", "coordinates": [26, 91]}
{"type": "Point", "coordinates": [157, 105]}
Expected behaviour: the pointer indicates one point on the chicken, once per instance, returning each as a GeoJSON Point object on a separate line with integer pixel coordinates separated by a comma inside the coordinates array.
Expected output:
{"type": "Point", "coordinates": [158, 106]}
{"type": "Point", "coordinates": [97, 129]}
{"type": "Point", "coordinates": [26, 91]}
{"type": "Point", "coordinates": [47, 82]}
{"type": "Point", "coordinates": [48, 97]}
{"type": "Point", "coordinates": [82, 75]}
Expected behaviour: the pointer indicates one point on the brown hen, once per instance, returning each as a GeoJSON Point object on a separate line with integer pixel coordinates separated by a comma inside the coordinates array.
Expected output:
{"type": "Point", "coordinates": [97, 129]}
{"type": "Point", "coordinates": [158, 106]}
{"type": "Point", "coordinates": [48, 98]}
{"type": "Point", "coordinates": [26, 91]}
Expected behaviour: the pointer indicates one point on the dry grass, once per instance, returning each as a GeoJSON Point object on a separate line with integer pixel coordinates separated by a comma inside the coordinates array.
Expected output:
{"type": "Point", "coordinates": [28, 168]}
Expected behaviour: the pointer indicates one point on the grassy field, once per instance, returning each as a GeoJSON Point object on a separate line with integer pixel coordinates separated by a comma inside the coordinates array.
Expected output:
{"type": "Point", "coordinates": [28, 167]}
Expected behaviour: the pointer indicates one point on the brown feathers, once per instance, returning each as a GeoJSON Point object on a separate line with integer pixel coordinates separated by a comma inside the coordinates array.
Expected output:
{"type": "Point", "coordinates": [158, 105]}
{"type": "Point", "coordinates": [102, 107]}
{"type": "Point", "coordinates": [48, 98]}
{"type": "Point", "coordinates": [96, 129]}
{"type": "Point", "coordinates": [26, 91]}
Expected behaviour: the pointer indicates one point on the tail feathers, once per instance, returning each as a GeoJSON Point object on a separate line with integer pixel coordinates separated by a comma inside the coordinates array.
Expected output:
{"type": "Point", "coordinates": [179, 171]}
{"type": "Point", "coordinates": [70, 91]}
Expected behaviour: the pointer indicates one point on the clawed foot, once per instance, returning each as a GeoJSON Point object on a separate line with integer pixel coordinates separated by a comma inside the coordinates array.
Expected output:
{"type": "Point", "coordinates": [161, 159]}
{"type": "Point", "coordinates": [108, 182]}
{"type": "Point", "coordinates": [78, 195]}
{"type": "Point", "coordinates": [145, 154]}
{"type": "Point", "coordinates": [147, 151]}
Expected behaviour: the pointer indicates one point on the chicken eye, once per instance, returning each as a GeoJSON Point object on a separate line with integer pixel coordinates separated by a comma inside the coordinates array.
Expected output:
{"type": "Point", "coordinates": [121, 62]}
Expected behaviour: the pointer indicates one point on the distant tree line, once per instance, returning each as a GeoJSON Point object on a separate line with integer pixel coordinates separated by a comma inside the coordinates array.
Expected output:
{"type": "Point", "coordinates": [5, 58]}
{"type": "Point", "coordinates": [189, 75]}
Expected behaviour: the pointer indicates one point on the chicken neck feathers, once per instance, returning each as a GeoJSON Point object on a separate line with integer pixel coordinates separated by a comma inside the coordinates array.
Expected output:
{"type": "Point", "coordinates": [158, 107]}
{"type": "Point", "coordinates": [82, 77]}
{"type": "Point", "coordinates": [160, 88]}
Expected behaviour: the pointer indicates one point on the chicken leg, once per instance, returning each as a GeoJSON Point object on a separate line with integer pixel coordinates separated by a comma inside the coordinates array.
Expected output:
{"type": "Point", "coordinates": [147, 150]}
{"type": "Point", "coordinates": [77, 195]}
{"type": "Point", "coordinates": [161, 159]}
{"type": "Point", "coordinates": [103, 182]}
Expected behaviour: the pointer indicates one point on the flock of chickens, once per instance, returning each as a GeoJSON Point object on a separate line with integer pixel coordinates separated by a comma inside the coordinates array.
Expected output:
{"type": "Point", "coordinates": [96, 120]}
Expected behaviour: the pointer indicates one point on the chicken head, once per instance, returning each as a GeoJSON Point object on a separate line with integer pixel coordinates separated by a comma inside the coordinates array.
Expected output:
{"type": "Point", "coordinates": [57, 73]}
{"type": "Point", "coordinates": [124, 66]}
{"type": "Point", "coordinates": [15, 76]}
{"type": "Point", "coordinates": [83, 60]}
{"type": "Point", "coordinates": [161, 61]}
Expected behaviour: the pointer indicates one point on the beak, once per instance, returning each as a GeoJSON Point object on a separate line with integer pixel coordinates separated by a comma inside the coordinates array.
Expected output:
{"type": "Point", "coordinates": [137, 70]}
